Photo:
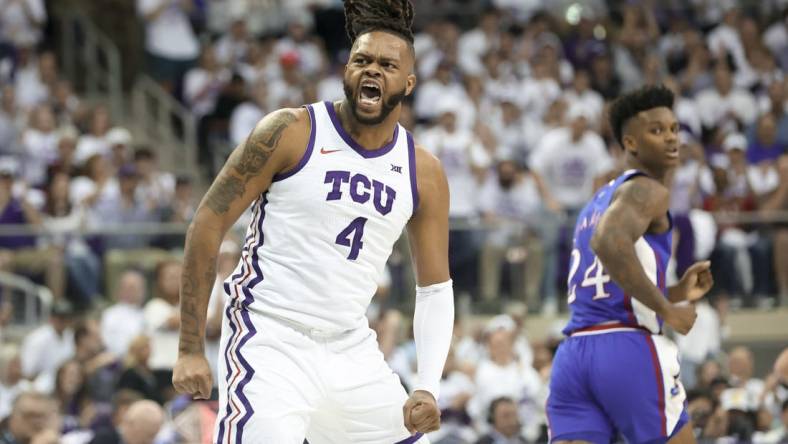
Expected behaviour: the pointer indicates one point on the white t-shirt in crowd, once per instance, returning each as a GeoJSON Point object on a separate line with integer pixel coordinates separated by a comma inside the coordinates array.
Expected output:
{"type": "Point", "coordinates": [458, 152]}
{"type": "Point", "coordinates": [15, 26]}
{"type": "Point", "coordinates": [569, 168]}
{"type": "Point", "coordinates": [589, 99]}
{"type": "Point", "coordinates": [120, 324]}
{"type": "Point", "coordinates": [40, 150]}
{"type": "Point", "coordinates": [29, 88]}
{"type": "Point", "coordinates": [169, 35]}
{"type": "Point", "coordinates": [713, 107]}
{"type": "Point", "coordinates": [42, 353]}
{"type": "Point", "coordinates": [243, 120]}
{"type": "Point", "coordinates": [88, 145]}
{"type": "Point", "coordinates": [201, 89]}
{"type": "Point", "coordinates": [164, 342]}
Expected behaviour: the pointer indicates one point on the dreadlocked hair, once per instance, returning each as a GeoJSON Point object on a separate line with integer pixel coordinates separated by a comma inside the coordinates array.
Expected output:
{"type": "Point", "coordinates": [363, 16]}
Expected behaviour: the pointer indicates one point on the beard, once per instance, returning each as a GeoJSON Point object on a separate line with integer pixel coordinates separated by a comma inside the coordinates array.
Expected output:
{"type": "Point", "coordinates": [386, 106]}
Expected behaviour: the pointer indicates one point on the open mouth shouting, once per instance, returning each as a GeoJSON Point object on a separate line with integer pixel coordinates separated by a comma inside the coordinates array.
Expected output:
{"type": "Point", "coordinates": [369, 95]}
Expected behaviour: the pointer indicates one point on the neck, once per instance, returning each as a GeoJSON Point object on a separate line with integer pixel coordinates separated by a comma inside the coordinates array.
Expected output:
{"type": "Point", "coordinates": [634, 163]}
{"type": "Point", "coordinates": [370, 137]}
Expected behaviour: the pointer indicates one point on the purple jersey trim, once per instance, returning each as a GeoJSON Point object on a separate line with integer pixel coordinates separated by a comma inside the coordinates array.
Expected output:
{"type": "Point", "coordinates": [411, 439]}
{"type": "Point", "coordinates": [307, 153]}
{"type": "Point", "coordinates": [414, 188]}
{"type": "Point", "coordinates": [368, 154]}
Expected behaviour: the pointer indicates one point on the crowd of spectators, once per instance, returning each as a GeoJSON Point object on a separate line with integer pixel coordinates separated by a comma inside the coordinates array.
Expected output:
{"type": "Point", "coordinates": [513, 103]}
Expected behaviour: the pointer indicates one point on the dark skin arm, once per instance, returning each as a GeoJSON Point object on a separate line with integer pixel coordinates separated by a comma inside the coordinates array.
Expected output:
{"type": "Point", "coordinates": [428, 233]}
{"type": "Point", "coordinates": [639, 206]}
{"type": "Point", "coordinates": [275, 145]}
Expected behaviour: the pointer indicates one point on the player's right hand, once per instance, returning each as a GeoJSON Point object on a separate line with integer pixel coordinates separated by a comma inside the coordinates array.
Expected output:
{"type": "Point", "coordinates": [192, 376]}
{"type": "Point", "coordinates": [681, 317]}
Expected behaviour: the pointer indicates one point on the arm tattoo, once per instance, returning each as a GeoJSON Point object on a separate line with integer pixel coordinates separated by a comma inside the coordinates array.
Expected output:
{"type": "Point", "coordinates": [261, 145]}
{"type": "Point", "coordinates": [224, 193]}
{"type": "Point", "coordinates": [194, 304]}
{"type": "Point", "coordinates": [256, 151]}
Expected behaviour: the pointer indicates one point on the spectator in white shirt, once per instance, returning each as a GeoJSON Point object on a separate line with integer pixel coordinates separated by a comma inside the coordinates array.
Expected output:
{"type": "Point", "coordinates": [246, 115]}
{"type": "Point", "coordinates": [516, 198]}
{"type": "Point", "coordinates": [95, 141]}
{"type": "Point", "coordinates": [21, 21]}
{"type": "Point", "coordinates": [503, 375]}
{"type": "Point", "coordinates": [47, 347]}
{"type": "Point", "coordinates": [477, 42]}
{"type": "Point", "coordinates": [299, 41]}
{"type": "Point", "coordinates": [12, 382]}
{"type": "Point", "coordinates": [39, 142]}
{"type": "Point", "coordinates": [231, 48]}
{"type": "Point", "coordinates": [156, 187]}
{"type": "Point", "coordinates": [581, 93]}
{"type": "Point", "coordinates": [124, 320]}
{"type": "Point", "coordinates": [162, 320]}
{"type": "Point", "coordinates": [119, 140]}
{"type": "Point", "coordinates": [170, 42]}
{"type": "Point", "coordinates": [35, 78]}
{"type": "Point", "coordinates": [203, 84]}
{"type": "Point", "coordinates": [570, 160]}
{"type": "Point", "coordinates": [433, 90]}
{"type": "Point", "coordinates": [724, 102]}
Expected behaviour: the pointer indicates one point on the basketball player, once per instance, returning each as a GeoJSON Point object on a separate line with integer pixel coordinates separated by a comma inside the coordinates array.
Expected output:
{"type": "Point", "coordinates": [616, 372]}
{"type": "Point", "coordinates": [332, 186]}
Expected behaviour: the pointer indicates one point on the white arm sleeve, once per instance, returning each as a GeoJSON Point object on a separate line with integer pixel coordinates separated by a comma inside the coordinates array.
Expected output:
{"type": "Point", "coordinates": [433, 322]}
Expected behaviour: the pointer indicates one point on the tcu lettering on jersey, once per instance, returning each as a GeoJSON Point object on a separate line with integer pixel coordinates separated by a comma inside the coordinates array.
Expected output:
{"type": "Point", "coordinates": [360, 187]}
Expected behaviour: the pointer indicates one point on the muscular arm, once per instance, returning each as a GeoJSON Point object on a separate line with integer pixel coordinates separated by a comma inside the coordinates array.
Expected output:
{"type": "Point", "coordinates": [637, 204]}
{"type": "Point", "coordinates": [428, 229]}
{"type": "Point", "coordinates": [269, 149]}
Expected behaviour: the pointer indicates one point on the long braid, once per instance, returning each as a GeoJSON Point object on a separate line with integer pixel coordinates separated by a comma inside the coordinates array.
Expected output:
{"type": "Point", "coordinates": [362, 16]}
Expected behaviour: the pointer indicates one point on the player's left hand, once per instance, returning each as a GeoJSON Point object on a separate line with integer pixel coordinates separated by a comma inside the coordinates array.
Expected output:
{"type": "Point", "coordinates": [697, 281]}
{"type": "Point", "coordinates": [421, 412]}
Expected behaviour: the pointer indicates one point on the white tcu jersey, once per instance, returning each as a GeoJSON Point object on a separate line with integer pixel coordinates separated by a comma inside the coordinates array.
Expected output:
{"type": "Point", "coordinates": [322, 233]}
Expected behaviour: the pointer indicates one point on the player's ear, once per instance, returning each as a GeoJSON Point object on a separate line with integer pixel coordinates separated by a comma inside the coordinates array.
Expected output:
{"type": "Point", "coordinates": [411, 83]}
{"type": "Point", "coordinates": [629, 144]}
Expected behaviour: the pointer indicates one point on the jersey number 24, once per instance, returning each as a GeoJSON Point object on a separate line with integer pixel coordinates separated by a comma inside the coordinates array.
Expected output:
{"type": "Point", "coordinates": [594, 276]}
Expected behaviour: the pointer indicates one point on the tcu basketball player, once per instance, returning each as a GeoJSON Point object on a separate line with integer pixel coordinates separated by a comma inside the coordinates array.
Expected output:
{"type": "Point", "coordinates": [332, 187]}
{"type": "Point", "coordinates": [616, 372]}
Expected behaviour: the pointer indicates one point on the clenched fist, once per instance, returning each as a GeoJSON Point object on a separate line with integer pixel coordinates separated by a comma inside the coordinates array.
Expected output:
{"type": "Point", "coordinates": [192, 375]}
{"type": "Point", "coordinates": [421, 413]}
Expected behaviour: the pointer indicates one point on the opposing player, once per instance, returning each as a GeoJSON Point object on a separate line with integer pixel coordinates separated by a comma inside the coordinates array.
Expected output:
{"type": "Point", "coordinates": [616, 373]}
{"type": "Point", "coordinates": [332, 186]}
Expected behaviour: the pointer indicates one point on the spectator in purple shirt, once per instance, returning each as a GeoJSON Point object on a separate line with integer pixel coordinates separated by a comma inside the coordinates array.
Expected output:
{"type": "Point", "coordinates": [765, 147]}
{"type": "Point", "coordinates": [20, 254]}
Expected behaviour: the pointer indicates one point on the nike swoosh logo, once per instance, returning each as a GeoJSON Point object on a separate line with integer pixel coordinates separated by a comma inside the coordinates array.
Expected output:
{"type": "Point", "coordinates": [325, 151]}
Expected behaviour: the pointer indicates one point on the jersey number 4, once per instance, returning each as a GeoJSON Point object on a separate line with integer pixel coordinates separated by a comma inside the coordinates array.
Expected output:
{"type": "Point", "coordinates": [594, 276]}
{"type": "Point", "coordinates": [351, 237]}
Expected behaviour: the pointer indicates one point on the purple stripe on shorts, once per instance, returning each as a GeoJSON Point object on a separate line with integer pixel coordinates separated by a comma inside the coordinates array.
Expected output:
{"type": "Point", "coordinates": [368, 154]}
{"type": "Point", "coordinates": [228, 412]}
{"type": "Point", "coordinates": [411, 439]}
{"type": "Point", "coordinates": [412, 167]}
{"type": "Point", "coordinates": [307, 153]}
{"type": "Point", "coordinates": [249, 370]}
{"type": "Point", "coordinates": [255, 265]}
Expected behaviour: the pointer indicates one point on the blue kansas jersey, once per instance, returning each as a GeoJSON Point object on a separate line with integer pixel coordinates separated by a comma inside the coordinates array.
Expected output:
{"type": "Point", "coordinates": [594, 299]}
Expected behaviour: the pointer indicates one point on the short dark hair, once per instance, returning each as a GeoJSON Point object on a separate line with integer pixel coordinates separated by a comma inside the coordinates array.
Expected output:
{"type": "Point", "coordinates": [634, 102]}
{"type": "Point", "coordinates": [144, 153]}
{"type": "Point", "coordinates": [394, 16]}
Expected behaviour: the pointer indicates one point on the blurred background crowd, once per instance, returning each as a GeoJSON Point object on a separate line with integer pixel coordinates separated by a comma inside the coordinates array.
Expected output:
{"type": "Point", "coordinates": [512, 97]}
